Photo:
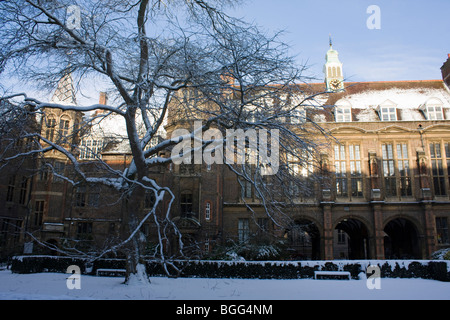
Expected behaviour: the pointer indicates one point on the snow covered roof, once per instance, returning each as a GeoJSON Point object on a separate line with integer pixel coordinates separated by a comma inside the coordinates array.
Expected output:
{"type": "Point", "coordinates": [408, 98]}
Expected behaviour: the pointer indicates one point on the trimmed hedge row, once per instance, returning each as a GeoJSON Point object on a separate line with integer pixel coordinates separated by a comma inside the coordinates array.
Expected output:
{"type": "Point", "coordinates": [37, 264]}
{"type": "Point", "coordinates": [436, 270]}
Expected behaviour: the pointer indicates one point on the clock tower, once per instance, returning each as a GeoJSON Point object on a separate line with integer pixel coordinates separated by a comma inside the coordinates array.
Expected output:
{"type": "Point", "coordinates": [334, 78]}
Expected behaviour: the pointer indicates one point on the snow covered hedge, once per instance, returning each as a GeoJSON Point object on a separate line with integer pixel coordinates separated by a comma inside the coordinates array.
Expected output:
{"type": "Point", "coordinates": [426, 269]}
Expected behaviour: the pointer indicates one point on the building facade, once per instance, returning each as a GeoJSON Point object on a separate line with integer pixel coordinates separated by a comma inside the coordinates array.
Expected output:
{"type": "Point", "coordinates": [384, 191]}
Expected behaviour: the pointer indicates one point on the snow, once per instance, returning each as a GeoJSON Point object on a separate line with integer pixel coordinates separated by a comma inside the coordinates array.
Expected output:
{"type": "Point", "coordinates": [52, 286]}
{"type": "Point", "coordinates": [408, 101]}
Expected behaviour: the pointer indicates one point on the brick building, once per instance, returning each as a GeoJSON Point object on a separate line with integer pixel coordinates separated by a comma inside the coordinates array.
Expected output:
{"type": "Point", "coordinates": [385, 191]}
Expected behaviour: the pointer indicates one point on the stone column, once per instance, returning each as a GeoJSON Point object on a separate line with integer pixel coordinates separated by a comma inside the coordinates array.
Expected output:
{"type": "Point", "coordinates": [327, 202]}
{"type": "Point", "coordinates": [327, 232]}
{"type": "Point", "coordinates": [379, 231]}
{"type": "Point", "coordinates": [430, 230]}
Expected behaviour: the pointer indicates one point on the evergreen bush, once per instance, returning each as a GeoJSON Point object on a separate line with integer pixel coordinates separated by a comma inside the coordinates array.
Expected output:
{"type": "Point", "coordinates": [436, 270]}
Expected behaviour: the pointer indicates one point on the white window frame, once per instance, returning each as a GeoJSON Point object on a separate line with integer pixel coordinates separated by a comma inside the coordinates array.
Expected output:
{"type": "Point", "coordinates": [388, 111]}
{"type": "Point", "coordinates": [343, 114]}
{"type": "Point", "coordinates": [433, 113]}
{"type": "Point", "coordinates": [433, 109]}
{"type": "Point", "coordinates": [208, 211]}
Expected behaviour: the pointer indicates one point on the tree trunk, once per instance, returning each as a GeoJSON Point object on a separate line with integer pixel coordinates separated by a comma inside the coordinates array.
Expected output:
{"type": "Point", "coordinates": [135, 266]}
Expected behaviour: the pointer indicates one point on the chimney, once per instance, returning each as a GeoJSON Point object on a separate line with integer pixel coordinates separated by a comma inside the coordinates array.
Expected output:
{"type": "Point", "coordinates": [103, 98]}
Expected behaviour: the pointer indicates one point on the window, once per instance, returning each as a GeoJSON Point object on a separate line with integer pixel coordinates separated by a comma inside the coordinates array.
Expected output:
{"type": "Point", "coordinates": [80, 197]}
{"type": "Point", "coordinates": [388, 111]}
{"type": "Point", "coordinates": [442, 230]}
{"type": "Point", "coordinates": [90, 149]}
{"type": "Point", "coordinates": [207, 246]}
{"type": "Point", "coordinates": [437, 169]}
{"type": "Point", "coordinates": [355, 170]}
{"type": "Point", "coordinates": [263, 224]}
{"type": "Point", "coordinates": [208, 211]}
{"type": "Point", "coordinates": [341, 236]}
{"type": "Point", "coordinates": [94, 199]}
{"type": "Point", "coordinates": [63, 127]}
{"type": "Point", "coordinates": [403, 168]}
{"type": "Point", "coordinates": [43, 174]}
{"type": "Point", "coordinates": [243, 230]}
{"type": "Point", "coordinates": [246, 188]}
{"type": "Point", "coordinates": [447, 155]}
{"type": "Point", "coordinates": [10, 190]}
{"type": "Point", "coordinates": [23, 190]}
{"type": "Point", "coordinates": [389, 170]}
{"type": "Point", "coordinates": [433, 109]}
{"type": "Point", "coordinates": [298, 116]}
{"type": "Point", "coordinates": [84, 228]}
{"type": "Point", "coordinates": [389, 114]}
{"type": "Point", "coordinates": [59, 170]}
{"type": "Point", "coordinates": [343, 114]}
{"type": "Point", "coordinates": [4, 231]}
{"type": "Point", "coordinates": [186, 205]}
{"type": "Point", "coordinates": [434, 113]}
{"type": "Point", "coordinates": [38, 212]}
{"type": "Point", "coordinates": [50, 131]}
{"type": "Point", "coordinates": [340, 170]}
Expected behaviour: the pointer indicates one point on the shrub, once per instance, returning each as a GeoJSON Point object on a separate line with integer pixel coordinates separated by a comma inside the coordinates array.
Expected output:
{"type": "Point", "coordinates": [438, 271]}
{"type": "Point", "coordinates": [35, 264]}
{"type": "Point", "coordinates": [233, 269]}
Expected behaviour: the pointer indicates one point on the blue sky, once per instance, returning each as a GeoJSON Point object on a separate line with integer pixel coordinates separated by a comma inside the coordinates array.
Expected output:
{"type": "Point", "coordinates": [412, 44]}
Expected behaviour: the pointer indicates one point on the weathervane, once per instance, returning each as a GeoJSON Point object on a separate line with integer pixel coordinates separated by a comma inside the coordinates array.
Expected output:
{"type": "Point", "coordinates": [331, 42]}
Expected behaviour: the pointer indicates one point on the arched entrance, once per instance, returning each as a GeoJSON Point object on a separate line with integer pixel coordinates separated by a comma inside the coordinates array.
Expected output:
{"type": "Point", "coordinates": [401, 240]}
{"type": "Point", "coordinates": [351, 240]}
{"type": "Point", "coordinates": [303, 240]}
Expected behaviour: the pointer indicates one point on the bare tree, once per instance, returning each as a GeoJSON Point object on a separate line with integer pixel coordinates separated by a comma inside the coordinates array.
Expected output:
{"type": "Point", "coordinates": [176, 60]}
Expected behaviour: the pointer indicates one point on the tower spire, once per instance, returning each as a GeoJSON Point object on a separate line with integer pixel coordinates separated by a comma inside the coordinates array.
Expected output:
{"type": "Point", "coordinates": [65, 92]}
{"type": "Point", "coordinates": [334, 76]}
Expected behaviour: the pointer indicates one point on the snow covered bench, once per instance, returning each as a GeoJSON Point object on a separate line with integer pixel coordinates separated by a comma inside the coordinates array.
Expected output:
{"type": "Point", "coordinates": [332, 275]}
{"type": "Point", "coordinates": [111, 272]}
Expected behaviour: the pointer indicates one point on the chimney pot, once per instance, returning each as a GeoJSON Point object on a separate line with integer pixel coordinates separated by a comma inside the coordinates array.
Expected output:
{"type": "Point", "coordinates": [103, 98]}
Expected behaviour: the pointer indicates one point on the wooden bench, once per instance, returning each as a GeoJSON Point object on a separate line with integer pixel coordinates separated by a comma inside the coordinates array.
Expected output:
{"type": "Point", "coordinates": [336, 275]}
{"type": "Point", "coordinates": [111, 272]}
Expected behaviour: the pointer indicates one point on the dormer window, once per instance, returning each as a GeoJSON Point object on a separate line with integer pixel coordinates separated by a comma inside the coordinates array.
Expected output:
{"type": "Point", "coordinates": [388, 111]}
{"type": "Point", "coordinates": [433, 109]}
{"type": "Point", "coordinates": [343, 112]}
{"type": "Point", "coordinates": [298, 116]}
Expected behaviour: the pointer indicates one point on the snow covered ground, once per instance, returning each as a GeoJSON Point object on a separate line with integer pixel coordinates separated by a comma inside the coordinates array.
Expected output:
{"type": "Point", "coordinates": [53, 286]}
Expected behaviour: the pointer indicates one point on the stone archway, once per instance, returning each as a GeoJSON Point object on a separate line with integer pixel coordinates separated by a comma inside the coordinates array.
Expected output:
{"type": "Point", "coordinates": [401, 240]}
{"type": "Point", "coordinates": [303, 240]}
{"type": "Point", "coordinates": [351, 240]}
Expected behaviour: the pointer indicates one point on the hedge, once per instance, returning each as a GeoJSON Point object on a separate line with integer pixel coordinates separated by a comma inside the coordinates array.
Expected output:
{"type": "Point", "coordinates": [437, 270]}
